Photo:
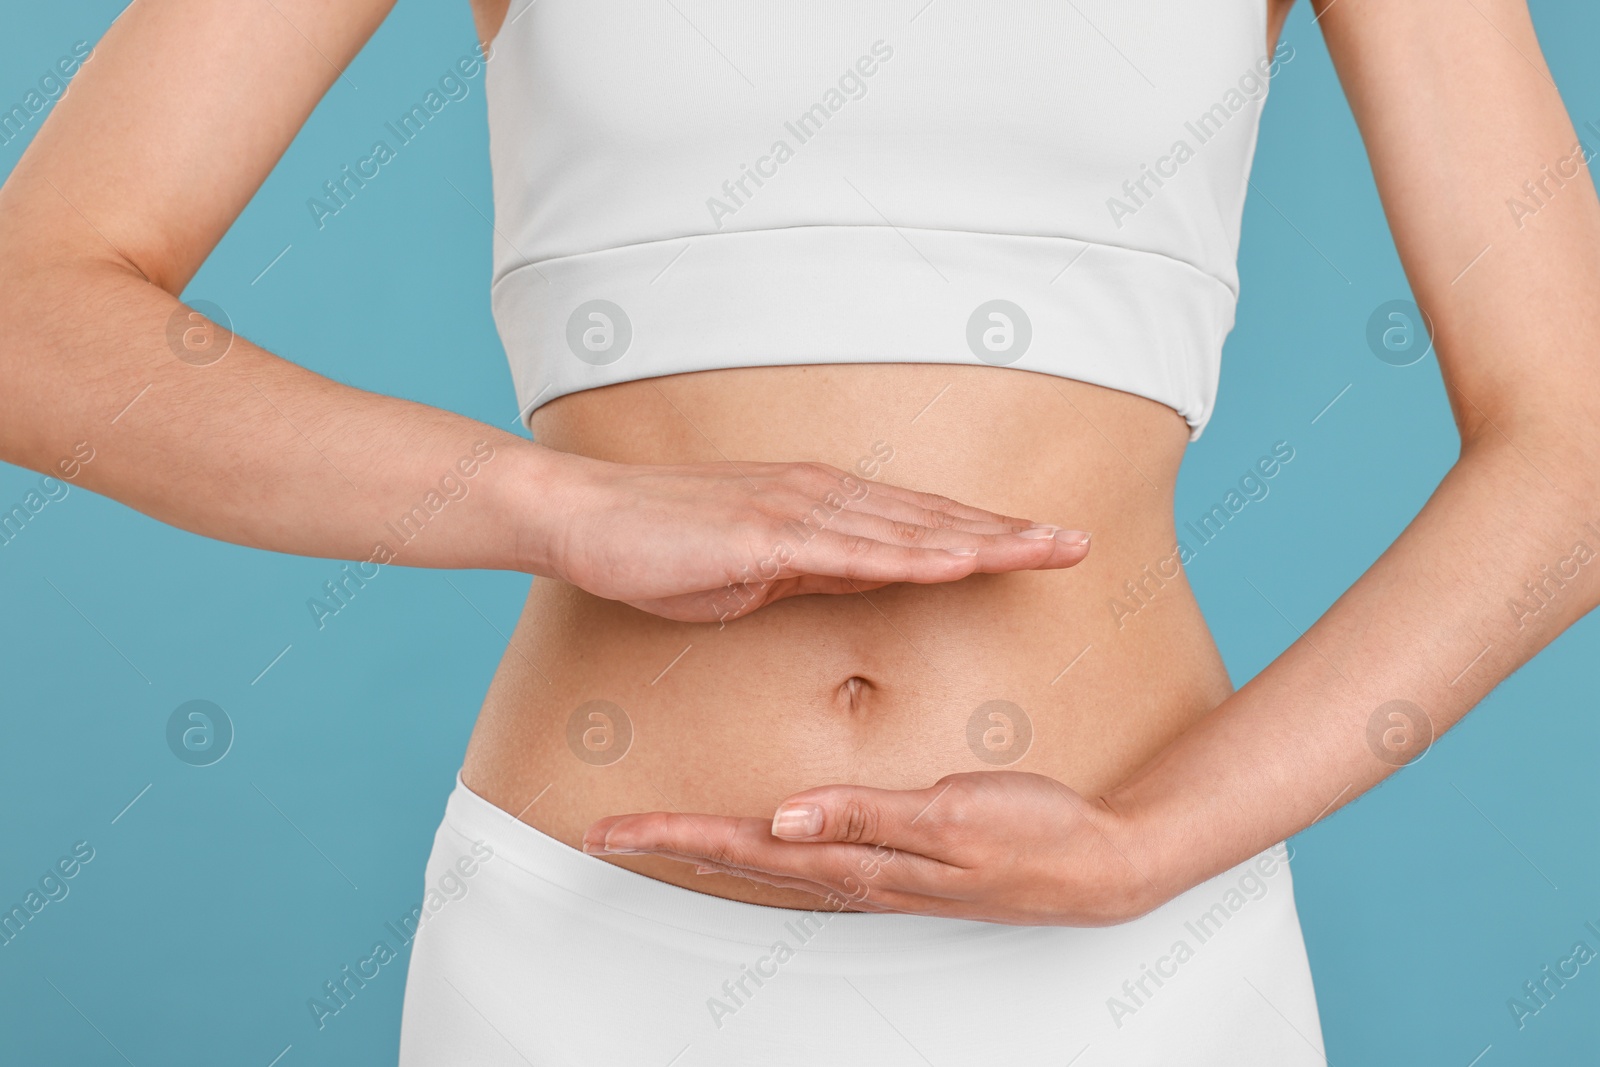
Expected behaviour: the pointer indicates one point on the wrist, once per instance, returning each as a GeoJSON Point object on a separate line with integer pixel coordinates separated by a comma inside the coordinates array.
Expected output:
{"type": "Point", "coordinates": [1148, 848]}
{"type": "Point", "coordinates": [1178, 830]}
{"type": "Point", "coordinates": [545, 490]}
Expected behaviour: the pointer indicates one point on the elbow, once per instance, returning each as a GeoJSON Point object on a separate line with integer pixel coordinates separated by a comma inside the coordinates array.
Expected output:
{"type": "Point", "coordinates": [52, 261]}
{"type": "Point", "coordinates": [1551, 435]}
{"type": "Point", "coordinates": [60, 315]}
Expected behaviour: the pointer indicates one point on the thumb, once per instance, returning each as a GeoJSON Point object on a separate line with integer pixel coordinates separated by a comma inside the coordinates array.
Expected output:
{"type": "Point", "coordinates": [857, 814]}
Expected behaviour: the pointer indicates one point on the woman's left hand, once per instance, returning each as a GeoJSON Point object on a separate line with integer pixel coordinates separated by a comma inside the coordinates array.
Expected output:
{"type": "Point", "coordinates": [999, 846]}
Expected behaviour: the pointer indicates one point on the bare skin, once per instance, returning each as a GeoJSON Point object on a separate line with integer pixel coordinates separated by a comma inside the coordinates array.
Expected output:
{"type": "Point", "coordinates": [876, 689]}
{"type": "Point", "coordinates": [1144, 775]}
{"type": "Point", "coordinates": [1458, 112]}
{"type": "Point", "coordinates": [102, 224]}
{"type": "Point", "coordinates": [103, 212]}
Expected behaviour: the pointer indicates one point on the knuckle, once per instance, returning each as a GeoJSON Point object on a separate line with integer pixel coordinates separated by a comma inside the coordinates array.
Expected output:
{"type": "Point", "coordinates": [858, 547]}
{"type": "Point", "coordinates": [939, 520]}
{"type": "Point", "coordinates": [812, 514]}
{"type": "Point", "coordinates": [758, 532]}
{"type": "Point", "coordinates": [908, 532]}
{"type": "Point", "coordinates": [729, 855]}
{"type": "Point", "coordinates": [655, 826]}
{"type": "Point", "coordinates": [857, 822]}
{"type": "Point", "coordinates": [818, 477]}
{"type": "Point", "coordinates": [728, 848]}
{"type": "Point", "coordinates": [955, 810]}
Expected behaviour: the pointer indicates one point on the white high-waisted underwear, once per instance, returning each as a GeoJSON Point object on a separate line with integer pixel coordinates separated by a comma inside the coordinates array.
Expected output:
{"type": "Point", "coordinates": [531, 952]}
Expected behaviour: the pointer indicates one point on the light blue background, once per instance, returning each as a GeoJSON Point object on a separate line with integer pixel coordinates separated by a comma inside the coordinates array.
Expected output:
{"type": "Point", "coordinates": [206, 919]}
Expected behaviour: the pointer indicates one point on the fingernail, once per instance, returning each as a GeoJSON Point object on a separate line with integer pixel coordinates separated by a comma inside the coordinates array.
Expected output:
{"type": "Point", "coordinates": [1038, 533]}
{"type": "Point", "coordinates": [705, 870]}
{"type": "Point", "coordinates": [962, 551]}
{"type": "Point", "coordinates": [1072, 537]}
{"type": "Point", "coordinates": [797, 820]}
{"type": "Point", "coordinates": [608, 849]}
{"type": "Point", "coordinates": [593, 849]}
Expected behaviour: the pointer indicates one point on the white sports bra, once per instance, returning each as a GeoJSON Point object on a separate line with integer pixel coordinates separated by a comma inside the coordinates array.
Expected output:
{"type": "Point", "coordinates": [1050, 185]}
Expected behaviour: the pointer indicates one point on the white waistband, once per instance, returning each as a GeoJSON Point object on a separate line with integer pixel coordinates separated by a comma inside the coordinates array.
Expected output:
{"type": "Point", "coordinates": [533, 952]}
{"type": "Point", "coordinates": [604, 889]}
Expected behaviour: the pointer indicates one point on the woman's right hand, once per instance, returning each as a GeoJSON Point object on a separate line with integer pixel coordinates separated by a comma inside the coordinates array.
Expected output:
{"type": "Point", "coordinates": [715, 541]}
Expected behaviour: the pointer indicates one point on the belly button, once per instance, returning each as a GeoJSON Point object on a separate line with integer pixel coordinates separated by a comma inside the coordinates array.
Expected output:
{"type": "Point", "coordinates": [853, 691]}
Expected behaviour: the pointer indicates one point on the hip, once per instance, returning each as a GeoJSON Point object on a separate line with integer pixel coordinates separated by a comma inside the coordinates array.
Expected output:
{"type": "Point", "coordinates": [545, 955]}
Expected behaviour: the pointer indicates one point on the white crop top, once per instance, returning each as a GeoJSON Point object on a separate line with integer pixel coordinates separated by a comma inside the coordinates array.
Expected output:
{"type": "Point", "coordinates": [1050, 185]}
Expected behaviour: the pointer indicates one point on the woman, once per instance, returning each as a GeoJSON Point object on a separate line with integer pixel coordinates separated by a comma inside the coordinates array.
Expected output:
{"type": "Point", "coordinates": [862, 774]}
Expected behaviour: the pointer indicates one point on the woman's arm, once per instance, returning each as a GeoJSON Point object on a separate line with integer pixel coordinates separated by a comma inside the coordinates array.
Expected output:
{"type": "Point", "coordinates": [166, 134]}
{"type": "Point", "coordinates": [1458, 111]}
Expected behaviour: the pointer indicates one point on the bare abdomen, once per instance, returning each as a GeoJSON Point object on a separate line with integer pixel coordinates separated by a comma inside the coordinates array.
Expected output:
{"type": "Point", "coordinates": [601, 709]}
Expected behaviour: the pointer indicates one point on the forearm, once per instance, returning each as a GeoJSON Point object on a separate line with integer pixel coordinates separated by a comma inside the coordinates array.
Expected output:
{"type": "Point", "coordinates": [1434, 622]}
{"type": "Point", "coordinates": [250, 448]}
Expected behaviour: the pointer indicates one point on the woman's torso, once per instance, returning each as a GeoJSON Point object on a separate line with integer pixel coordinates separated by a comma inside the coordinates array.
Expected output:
{"type": "Point", "coordinates": [1082, 675]}
{"type": "Point", "coordinates": [882, 688]}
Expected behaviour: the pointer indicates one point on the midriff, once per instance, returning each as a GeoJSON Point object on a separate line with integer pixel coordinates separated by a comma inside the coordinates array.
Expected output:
{"type": "Point", "coordinates": [878, 688]}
